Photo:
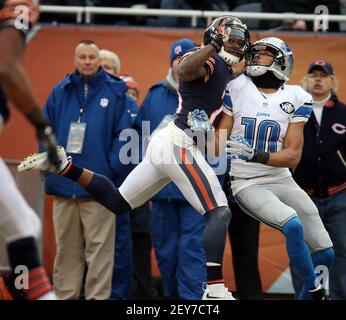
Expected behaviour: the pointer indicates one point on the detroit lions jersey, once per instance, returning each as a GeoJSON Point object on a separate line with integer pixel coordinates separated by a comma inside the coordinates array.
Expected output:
{"type": "Point", "coordinates": [263, 119]}
{"type": "Point", "coordinates": [205, 93]}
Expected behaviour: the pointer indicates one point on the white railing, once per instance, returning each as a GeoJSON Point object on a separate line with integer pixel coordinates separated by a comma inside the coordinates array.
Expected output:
{"type": "Point", "coordinates": [78, 11]}
{"type": "Point", "coordinates": [87, 12]}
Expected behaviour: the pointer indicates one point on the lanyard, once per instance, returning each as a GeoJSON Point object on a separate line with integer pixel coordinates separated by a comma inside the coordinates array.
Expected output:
{"type": "Point", "coordinates": [81, 111]}
{"type": "Point", "coordinates": [81, 106]}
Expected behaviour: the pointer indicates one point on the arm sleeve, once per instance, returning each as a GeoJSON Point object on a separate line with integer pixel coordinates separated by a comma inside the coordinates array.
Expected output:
{"type": "Point", "coordinates": [210, 66]}
{"type": "Point", "coordinates": [229, 97]}
{"type": "Point", "coordinates": [227, 106]}
{"type": "Point", "coordinates": [304, 107]}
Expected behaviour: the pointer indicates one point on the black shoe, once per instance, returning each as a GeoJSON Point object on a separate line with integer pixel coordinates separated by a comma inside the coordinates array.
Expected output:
{"type": "Point", "coordinates": [319, 294]}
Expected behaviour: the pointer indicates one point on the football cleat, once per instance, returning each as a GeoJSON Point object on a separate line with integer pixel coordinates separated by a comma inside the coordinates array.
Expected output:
{"type": "Point", "coordinates": [217, 292]}
{"type": "Point", "coordinates": [319, 294]}
{"type": "Point", "coordinates": [39, 161]}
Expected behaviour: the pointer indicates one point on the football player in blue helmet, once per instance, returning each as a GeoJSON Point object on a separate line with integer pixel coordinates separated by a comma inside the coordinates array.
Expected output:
{"type": "Point", "coordinates": [275, 72]}
{"type": "Point", "coordinates": [265, 119]}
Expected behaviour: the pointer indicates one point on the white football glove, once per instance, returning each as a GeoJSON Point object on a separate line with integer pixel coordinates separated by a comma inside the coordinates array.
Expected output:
{"type": "Point", "coordinates": [239, 148]}
{"type": "Point", "coordinates": [198, 120]}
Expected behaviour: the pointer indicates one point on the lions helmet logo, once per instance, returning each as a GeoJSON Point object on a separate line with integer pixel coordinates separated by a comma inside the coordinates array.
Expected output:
{"type": "Point", "coordinates": [287, 107]}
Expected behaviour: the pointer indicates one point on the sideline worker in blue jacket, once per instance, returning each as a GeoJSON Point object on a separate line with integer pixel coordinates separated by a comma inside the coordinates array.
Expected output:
{"type": "Point", "coordinates": [123, 262]}
{"type": "Point", "coordinates": [87, 110]}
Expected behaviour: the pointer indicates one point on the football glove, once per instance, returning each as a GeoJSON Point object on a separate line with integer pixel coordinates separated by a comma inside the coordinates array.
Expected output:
{"type": "Point", "coordinates": [198, 120]}
{"type": "Point", "coordinates": [219, 38]}
{"type": "Point", "coordinates": [239, 148]}
{"type": "Point", "coordinates": [46, 136]}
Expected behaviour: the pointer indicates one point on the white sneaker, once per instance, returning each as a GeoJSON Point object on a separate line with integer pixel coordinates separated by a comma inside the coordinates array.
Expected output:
{"type": "Point", "coordinates": [38, 161]}
{"type": "Point", "coordinates": [217, 292]}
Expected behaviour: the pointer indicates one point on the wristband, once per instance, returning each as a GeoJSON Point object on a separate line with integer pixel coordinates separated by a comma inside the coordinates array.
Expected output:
{"type": "Point", "coordinates": [260, 157]}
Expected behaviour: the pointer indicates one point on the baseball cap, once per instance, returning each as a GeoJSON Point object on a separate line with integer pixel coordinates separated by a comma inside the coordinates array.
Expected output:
{"type": "Point", "coordinates": [321, 64]}
{"type": "Point", "coordinates": [130, 82]}
{"type": "Point", "coordinates": [180, 47]}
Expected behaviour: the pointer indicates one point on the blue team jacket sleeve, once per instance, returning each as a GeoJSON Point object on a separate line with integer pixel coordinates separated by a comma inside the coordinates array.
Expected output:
{"type": "Point", "coordinates": [120, 156]}
{"type": "Point", "coordinates": [48, 112]}
{"type": "Point", "coordinates": [143, 126]}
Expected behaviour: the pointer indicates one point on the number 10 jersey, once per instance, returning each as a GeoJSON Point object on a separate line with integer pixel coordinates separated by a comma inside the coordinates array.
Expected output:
{"type": "Point", "coordinates": [263, 120]}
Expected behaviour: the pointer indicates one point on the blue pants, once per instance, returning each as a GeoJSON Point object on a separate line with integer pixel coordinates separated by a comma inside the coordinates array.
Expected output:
{"type": "Point", "coordinates": [122, 270]}
{"type": "Point", "coordinates": [179, 246]}
{"type": "Point", "coordinates": [333, 214]}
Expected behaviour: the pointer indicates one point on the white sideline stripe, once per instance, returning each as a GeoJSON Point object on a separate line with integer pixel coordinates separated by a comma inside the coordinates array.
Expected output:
{"type": "Point", "coordinates": [283, 284]}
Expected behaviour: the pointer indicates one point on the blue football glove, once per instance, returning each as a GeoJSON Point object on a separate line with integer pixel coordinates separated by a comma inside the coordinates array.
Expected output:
{"type": "Point", "coordinates": [239, 148]}
{"type": "Point", "coordinates": [198, 120]}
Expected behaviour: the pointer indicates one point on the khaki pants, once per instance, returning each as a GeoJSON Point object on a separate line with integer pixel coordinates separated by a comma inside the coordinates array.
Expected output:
{"type": "Point", "coordinates": [85, 233]}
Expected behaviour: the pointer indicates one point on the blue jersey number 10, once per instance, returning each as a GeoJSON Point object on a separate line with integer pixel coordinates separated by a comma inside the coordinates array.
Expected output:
{"type": "Point", "coordinates": [268, 133]}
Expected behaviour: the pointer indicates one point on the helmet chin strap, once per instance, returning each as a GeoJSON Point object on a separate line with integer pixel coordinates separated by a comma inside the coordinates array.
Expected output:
{"type": "Point", "coordinates": [229, 58]}
{"type": "Point", "coordinates": [267, 81]}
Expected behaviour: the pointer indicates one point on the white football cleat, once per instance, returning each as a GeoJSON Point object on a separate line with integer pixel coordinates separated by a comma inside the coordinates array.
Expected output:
{"type": "Point", "coordinates": [217, 292]}
{"type": "Point", "coordinates": [38, 161]}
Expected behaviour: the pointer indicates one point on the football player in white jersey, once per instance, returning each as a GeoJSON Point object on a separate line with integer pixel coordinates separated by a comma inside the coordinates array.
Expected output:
{"type": "Point", "coordinates": [265, 119]}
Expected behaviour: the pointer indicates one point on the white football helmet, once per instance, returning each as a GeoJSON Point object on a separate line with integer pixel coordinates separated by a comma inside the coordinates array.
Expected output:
{"type": "Point", "coordinates": [282, 65]}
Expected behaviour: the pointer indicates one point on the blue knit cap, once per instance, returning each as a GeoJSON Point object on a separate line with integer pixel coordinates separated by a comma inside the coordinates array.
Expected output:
{"type": "Point", "coordinates": [180, 47]}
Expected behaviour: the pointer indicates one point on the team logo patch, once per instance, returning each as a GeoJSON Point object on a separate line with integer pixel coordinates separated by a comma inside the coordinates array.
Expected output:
{"type": "Point", "coordinates": [338, 128]}
{"type": "Point", "coordinates": [104, 102]}
{"type": "Point", "coordinates": [177, 50]}
{"type": "Point", "coordinates": [287, 107]}
{"type": "Point", "coordinates": [320, 62]}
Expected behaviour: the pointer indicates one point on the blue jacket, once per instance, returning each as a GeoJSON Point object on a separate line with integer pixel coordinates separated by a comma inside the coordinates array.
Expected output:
{"type": "Point", "coordinates": [162, 99]}
{"type": "Point", "coordinates": [131, 104]}
{"type": "Point", "coordinates": [105, 113]}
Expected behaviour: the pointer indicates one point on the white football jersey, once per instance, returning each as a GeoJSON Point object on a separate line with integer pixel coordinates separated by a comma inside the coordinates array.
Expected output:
{"type": "Point", "coordinates": [262, 119]}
